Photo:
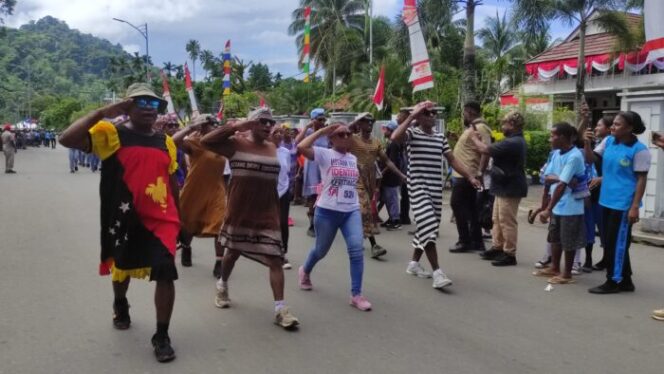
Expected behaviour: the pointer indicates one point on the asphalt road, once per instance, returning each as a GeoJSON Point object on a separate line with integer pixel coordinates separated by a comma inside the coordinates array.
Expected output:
{"type": "Point", "coordinates": [55, 311]}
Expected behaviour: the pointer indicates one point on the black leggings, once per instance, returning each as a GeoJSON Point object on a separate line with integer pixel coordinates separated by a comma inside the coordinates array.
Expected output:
{"type": "Point", "coordinates": [284, 209]}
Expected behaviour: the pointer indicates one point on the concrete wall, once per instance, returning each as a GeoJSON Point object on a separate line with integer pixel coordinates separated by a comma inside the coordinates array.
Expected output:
{"type": "Point", "coordinates": [650, 105]}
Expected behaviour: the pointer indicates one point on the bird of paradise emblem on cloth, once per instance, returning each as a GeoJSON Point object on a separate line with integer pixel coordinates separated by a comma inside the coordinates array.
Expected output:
{"type": "Point", "coordinates": [158, 192]}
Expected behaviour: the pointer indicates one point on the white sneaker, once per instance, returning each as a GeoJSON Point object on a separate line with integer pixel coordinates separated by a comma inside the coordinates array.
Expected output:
{"type": "Point", "coordinates": [221, 299]}
{"type": "Point", "coordinates": [440, 280]}
{"type": "Point", "coordinates": [414, 268]}
{"type": "Point", "coordinates": [576, 268]}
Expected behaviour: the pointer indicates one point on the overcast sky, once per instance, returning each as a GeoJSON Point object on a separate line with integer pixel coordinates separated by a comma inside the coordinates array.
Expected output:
{"type": "Point", "coordinates": [258, 28]}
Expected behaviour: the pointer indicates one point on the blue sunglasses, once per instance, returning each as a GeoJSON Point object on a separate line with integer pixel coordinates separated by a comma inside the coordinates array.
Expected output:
{"type": "Point", "coordinates": [147, 103]}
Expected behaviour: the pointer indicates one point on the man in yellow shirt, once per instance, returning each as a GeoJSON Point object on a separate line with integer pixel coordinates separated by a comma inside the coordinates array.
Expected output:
{"type": "Point", "coordinates": [464, 194]}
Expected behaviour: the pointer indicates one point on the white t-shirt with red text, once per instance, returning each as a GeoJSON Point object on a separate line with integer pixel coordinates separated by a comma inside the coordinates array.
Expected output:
{"type": "Point", "coordinates": [339, 176]}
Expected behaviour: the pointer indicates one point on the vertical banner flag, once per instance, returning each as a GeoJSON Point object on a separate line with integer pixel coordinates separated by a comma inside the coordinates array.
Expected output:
{"type": "Point", "coordinates": [190, 91]}
{"type": "Point", "coordinates": [421, 76]}
{"type": "Point", "coordinates": [227, 69]}
{"type": "Point", "coordinates": [654, 46]}
{"type": "Point", "coordinates": [262, 103]}
{"type": "Point", "coordinates": [379, 94]}
{"type": "Point", "coordinates": [167, 93]}
{"type": "Point", "coordinates": [306, 51]}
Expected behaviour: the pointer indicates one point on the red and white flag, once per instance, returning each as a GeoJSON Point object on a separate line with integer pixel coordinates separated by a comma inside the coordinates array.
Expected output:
{"type": "Point", "coordinates": [379, 94]}
{"type": "Point", "coordinates": [190, 91]}
{"type": "Point", "coordinates": [654, 46]}
{"type": "Point", "coordinates": [167, 93]}
{"type": "Point", "coordinates": [421, 76]}
{"type": "Point", "coordinates": [262, 103]}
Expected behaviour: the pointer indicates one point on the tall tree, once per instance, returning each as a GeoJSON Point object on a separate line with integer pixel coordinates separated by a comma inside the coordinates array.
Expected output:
{"type": "Point", "coordinates": [332, 23]}
{"type": "Point", "coordinates": [169, 68]}
{"type": "Point", "coordinates": [193, 47]}
{"type": "Point", "coordinates": [498, 39]}
{"type": "Point", "coordinates": [260, 78]}
{"type": "Point", "coordinates": [468, 83]}
{"type": "Point", "coordinates": [6, 8]}
{"type": "Point", "coordinates": [207, 60]}
{"type": "Point", "coordinates": [533, 16]}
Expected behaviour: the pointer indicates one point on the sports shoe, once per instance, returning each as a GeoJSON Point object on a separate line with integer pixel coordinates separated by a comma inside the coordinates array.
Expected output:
{"type": "Point", "coordinates": [360, 302]}
{"type": "Point", "coordinates": [287, 265]}
{"type": "Point", "coordinates": [544, 263]}
{"type": "Point", "coordinates": [608, 287]}
{"type": "Point", "coordinates": [491, 254]}
{"type": "Point", "coordinates": [414, 268]}
{"type": "Point", "coordinates": [440, 280]}
{"type": "Point", "coordinates": [221, 300]}
{"type": "Point", "coordinates": [377, 251]}
{"type": "Point", "coordinates": [291, 222]}
{"type": "Point", "coordinates": [459, 248]}
{"type": "Point", "coordinates": [305, 281]}
{"type": "Point", "coordinates": [504, 260]}
{"type": "Point", "coordinates": [393, 226]}
{"type": "Point", "coordinates": [121, 319]}
{"type": "Point", "coordinates": [576, 269]}
{"type": "Point", "coordinates": [311, 232]}
{"type": "Point", "coordinates": [285, 319]}
{"type": "Point", "coordinates": [658, 314]}
{"type": "Point", "coordinates": [162, 348]}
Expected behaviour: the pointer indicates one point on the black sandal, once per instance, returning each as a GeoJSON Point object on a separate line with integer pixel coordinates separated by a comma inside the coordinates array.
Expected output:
{"type": "Point", "coordinates": [531, 216]}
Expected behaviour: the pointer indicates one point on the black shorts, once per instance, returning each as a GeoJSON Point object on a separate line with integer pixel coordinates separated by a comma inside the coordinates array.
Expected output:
{"type": "Point", "coordinates": [568, 231]}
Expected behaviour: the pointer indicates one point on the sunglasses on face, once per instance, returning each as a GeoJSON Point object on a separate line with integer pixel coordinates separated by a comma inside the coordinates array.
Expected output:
{"type": "Point", "coordinates": [267, 122]}
{"type": "Point", "coordinates": [147, 103]}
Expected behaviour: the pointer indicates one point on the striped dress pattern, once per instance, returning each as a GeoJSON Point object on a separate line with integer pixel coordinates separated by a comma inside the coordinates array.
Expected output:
{"type": "Point", "coordinates": [251, 225]}
{"type": "Point", "coordinates": [425, 182]}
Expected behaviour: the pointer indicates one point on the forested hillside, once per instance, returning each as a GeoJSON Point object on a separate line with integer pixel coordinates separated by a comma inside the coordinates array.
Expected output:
{"type": "Point", "coordinates": [44, 61]}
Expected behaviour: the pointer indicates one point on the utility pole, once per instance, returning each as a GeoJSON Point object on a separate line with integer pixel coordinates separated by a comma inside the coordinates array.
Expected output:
{"type": "Point", "coordinates": [143, 30]}
{"type": "Point", "coordinates": [370, 33]}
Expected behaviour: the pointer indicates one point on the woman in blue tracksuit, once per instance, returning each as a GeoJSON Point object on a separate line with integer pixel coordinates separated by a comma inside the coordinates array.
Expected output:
{"type": "Point", "coordinates": [625, 165]}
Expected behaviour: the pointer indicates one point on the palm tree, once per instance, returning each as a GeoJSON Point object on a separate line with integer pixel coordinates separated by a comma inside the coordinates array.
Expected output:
{"type": "Point", "coordinates": [193, 47]}
{"type": "Point", "coordinates": [499, 40]}
{"type": "Point", "coordinates": [534, 15]}
{"type": "Point", "coordinates": [468, 90]}
{"type": "Point", "coordinates": [169, 68]}
{"type": "Point", "coordinates": [332, 22]}
{"type": "Point", "coordinates": [207, 59]}
{"type": "Point", "coordinates": [238, 68]}
{"type": "Point", "coordinates": [179, 71]}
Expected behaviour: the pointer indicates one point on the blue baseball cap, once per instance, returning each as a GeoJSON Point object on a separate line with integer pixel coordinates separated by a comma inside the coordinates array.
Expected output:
{"type": "Point", "coordinates": [317, 113]}
{"type": "Point", "coordinates": [392, 125]}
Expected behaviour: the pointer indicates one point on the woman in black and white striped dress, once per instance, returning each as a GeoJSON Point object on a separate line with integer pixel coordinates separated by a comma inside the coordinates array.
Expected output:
{"type": "Point", "coordinates": [425, 149]}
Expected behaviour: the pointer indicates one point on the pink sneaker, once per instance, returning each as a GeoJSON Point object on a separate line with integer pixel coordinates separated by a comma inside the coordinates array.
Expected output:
{"type": "Point", "coordinates": [305, 281]}
{"type": "Point", "coordinates": [291, 222]}
{"type": "Point", "coordinates": [360, 302]}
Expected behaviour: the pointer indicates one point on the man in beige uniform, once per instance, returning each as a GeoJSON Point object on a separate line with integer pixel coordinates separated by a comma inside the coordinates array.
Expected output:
{"type": "Point", "coordinates": [464, 194]}
{"type": "Point", "coordinates": [9, 148]}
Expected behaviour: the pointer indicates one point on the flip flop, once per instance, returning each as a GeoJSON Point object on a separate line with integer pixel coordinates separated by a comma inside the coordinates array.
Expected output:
{"type": "Point", "coordinates": [547, 272]}
{"type": "Point", "coordinates": [531, 217]}
{"type": "Point", "coordinates": [560, 280]}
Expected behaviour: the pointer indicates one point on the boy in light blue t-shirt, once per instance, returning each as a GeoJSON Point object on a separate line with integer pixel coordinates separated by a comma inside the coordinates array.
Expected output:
{"type": "Point", "coordinates": [565, 209]}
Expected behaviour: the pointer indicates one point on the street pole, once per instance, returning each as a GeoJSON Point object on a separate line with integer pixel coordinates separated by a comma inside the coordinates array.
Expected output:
{"type": "Point", "coordinates": [147, 54]}
{"type": "Point", "coordinates": [144, 33]}
{"type": "Point", "coordinates": [370, 34]}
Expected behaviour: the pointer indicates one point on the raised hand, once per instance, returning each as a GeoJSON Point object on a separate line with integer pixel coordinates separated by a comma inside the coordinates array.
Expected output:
{"type": "Point", "coordinates": [117, 109]}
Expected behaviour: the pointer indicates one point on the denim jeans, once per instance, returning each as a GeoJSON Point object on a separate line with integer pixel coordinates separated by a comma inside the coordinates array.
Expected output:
{"type": "Point", "coordinates": [73, 159]}
{"type": "Point", "coordinates": [326, 223]}
{"type": "Point", "coordinates": [93, 161]}
{"type": "Point", "coordinates": [390, 196]}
